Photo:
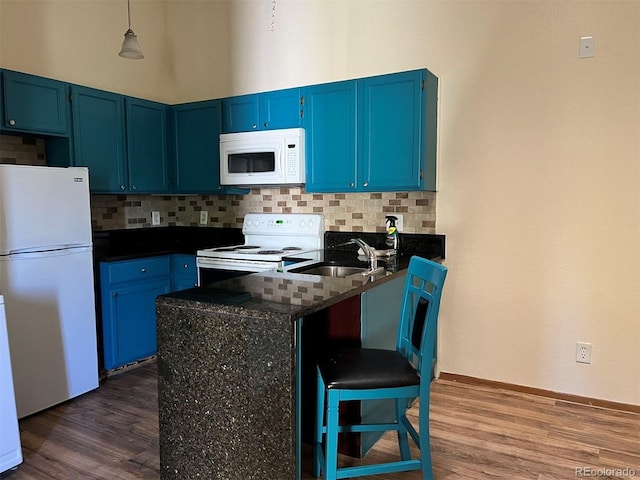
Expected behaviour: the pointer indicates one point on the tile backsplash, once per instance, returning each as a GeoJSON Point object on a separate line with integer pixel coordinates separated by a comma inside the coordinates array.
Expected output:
{"type": "Point", "coordinates": [22, 150]}
{"type": "Point", "coordinates": [363, 212]}
{"type": "Point", "coordinates": [343, 211]}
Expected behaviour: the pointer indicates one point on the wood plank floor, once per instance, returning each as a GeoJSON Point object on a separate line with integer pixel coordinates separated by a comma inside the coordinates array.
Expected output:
{"type": "Point", "coordinates": [477, 432]}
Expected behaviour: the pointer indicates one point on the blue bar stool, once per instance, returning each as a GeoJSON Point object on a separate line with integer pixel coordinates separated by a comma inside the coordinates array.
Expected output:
{"type": "Point", "coordinates": [403, 375]}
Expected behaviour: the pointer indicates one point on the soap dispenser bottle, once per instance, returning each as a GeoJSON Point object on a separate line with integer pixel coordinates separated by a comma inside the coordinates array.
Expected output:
{"type": "Point", "coordinates": [392, 239]}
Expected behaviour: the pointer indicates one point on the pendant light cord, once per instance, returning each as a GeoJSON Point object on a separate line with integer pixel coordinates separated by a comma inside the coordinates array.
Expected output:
{"type": "Point", "coordinates": [129, 12]}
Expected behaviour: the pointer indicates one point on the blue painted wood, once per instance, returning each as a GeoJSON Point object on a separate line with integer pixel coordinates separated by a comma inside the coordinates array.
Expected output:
{"type": "Point", "coordinates": [261, 111]}
{"type": "Point", "coordinates": [392, 119]}
{"type": "Point", "coordinates": [331, 136]}
{"type": "Point", "coordinates": [429, 147]}
{"type": "Point", "coordinates": [280, 109]}
{"type": "Point", "coordinates": [148, 165]}
{"type": "Point", "coordinates": [416, 342]}
{"type": "Point", "coordinates": [240, 113]}
{"type": "Point", "coordinates": [99, 138]}
{"type": "Point", "coordinates": [35, 104]}
{"type": "Point", "coordinates": [392, 134]}
{"type": "Point", "coordinates": [128, 292]}
{"type": "Point", "coordinates": [184, 273]}
{"type": "Point", "coordinates": [195, 138]}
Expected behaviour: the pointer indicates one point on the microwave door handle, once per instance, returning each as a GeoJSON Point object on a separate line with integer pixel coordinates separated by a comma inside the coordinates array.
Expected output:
{"type": "Point", "coordinates": [281, 161]}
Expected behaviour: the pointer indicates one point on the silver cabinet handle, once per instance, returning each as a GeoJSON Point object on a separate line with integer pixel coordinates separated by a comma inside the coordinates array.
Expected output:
{"type": "Point", "coordinates": [143, 270]}
{"type": "Point", "coordinates": [365, 184]}
{"type": "Point", "coordinates": [254, 126]}
{"type": "Point", "coordinates": [134, 187]}
{"type": "Point", "coordinates": [351, 185]}
{"type": "Point", "coordinates": [121, 187]}
{"type": "Point", "coordinates": [12, 122]}
{"type": "Point", "coordinates": [186, 266]}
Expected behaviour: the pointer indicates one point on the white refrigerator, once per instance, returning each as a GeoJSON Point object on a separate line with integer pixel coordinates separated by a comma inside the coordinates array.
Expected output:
{"type": "Point", "coordinates": [10, 450]}
{"type": "Point", "coordinates": [46, 277]}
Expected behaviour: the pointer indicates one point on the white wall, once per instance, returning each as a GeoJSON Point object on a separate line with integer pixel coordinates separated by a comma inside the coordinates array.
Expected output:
{"type": "Point", "coordinates": [539, 156]}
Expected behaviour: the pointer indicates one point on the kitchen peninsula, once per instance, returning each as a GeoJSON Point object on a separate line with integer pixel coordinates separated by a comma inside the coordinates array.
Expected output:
{"type": "Point", "coordinates": [229, 365]}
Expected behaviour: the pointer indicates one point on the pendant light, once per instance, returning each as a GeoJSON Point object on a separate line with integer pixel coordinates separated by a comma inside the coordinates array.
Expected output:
{"type": "Point", "coordinates": [130, 45]}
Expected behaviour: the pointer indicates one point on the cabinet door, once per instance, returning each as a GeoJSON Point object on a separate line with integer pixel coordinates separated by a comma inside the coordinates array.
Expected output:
{"type": "Point", "coordinates": [147, 146]}
{"type": "Point", "coordinates": [195, 132]}
{"type": "Point", "coordinates": [392, 119]}
{"type": "Point", "coordinates": [183, 272]}
{"type": "Point", "coordinates": [280, 109]}
{"type": "Point", "coordinates": [240, 114]}
{"type": "Point", "coordinates": [35, 104]}
{"type": "Point", "coordinates": [130, 331]}
{"type": "Point", "coordinates": [330, 135]}
{"type": "Point", "coordinates": [98, 130]}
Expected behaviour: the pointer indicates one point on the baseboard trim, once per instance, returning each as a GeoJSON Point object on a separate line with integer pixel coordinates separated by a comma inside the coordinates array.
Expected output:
{"type": "Point", "coordinates": [595, 402]}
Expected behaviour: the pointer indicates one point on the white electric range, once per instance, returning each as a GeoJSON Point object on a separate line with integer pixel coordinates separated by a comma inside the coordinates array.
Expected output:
{"type": "Point", "coordinates": [268, 239]}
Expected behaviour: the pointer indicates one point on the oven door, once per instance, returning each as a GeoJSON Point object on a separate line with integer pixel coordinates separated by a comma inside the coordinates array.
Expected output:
{"type": "Point", "coordinates": [211, 270]}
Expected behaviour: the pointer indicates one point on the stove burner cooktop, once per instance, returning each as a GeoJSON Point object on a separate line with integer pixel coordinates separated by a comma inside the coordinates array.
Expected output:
{"type": "Point", "coordinates": [270, 252]}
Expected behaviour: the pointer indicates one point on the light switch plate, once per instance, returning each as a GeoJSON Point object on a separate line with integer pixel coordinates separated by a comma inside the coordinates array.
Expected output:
{"type": "Point", "coordinates": [587, 47]}
{"type": "Point", "coordinates": [155, 218]}
{"type": "Point", "coordinates": [204, 217]}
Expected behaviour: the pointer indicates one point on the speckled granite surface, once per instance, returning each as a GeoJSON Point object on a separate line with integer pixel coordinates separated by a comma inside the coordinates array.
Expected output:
{"type": "Point", "coordinates": [227, 363]}
{"type": "Point", "coordinates": [226, 392]}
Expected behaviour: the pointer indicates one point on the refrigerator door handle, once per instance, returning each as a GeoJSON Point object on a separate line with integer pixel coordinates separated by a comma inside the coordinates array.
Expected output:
{"type": "Point", "coordinates": [47, 248]}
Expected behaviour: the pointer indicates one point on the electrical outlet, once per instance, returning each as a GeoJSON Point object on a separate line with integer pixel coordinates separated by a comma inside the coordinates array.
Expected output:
{"type": "Point", "coordinates": [399, 221]}
{"type": "Point", "coordinates": [155, 218]}
{"type": "Point", "coordinates": [583, 352]}
{"type": "Point", "coordinates": [204, 217]}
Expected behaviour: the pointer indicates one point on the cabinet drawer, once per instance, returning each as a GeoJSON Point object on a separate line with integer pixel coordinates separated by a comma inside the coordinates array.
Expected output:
{"type": "Point", "coordinates": [183, 264]}
{"type": "Point", "coordinates": [135, 270]}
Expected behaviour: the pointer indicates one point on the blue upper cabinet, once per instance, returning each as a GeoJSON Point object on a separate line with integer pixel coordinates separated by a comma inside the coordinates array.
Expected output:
{"type": "Point", "coordinates": [122, 141]}
{"type": "Point", "coordinates": [195, 156]}
{"type": "Point", "coordinates": [390, 140]}
{"type": "Point", "coordinates": [392, 118]}
{"type": "Point", "coordinates": [330, 127]}
{"type": "Point", "coordinates": [280, 109]}
{"type": "Point", "coordinates": [35, 104]}
{"type": "Point", "coordinates": [261, 111]}
{"type": "Point", "coordinates": [148, 166]}
{"type": "Point", "coordinates": [99, 138]}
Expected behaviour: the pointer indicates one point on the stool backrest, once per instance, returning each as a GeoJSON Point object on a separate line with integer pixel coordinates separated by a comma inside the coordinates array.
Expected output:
{"type": "Point", "coordinates": [418, 324]}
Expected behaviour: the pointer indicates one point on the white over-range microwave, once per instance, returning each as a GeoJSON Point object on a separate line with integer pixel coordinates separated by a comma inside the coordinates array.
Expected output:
{"type": "Point", "coordinates": [266, 157]}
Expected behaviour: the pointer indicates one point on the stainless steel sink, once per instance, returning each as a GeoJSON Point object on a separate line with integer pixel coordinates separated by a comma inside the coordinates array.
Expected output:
{"type": "Point", "coordinates": [332, 270]}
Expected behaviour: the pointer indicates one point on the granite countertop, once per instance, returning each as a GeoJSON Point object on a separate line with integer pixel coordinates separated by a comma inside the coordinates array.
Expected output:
{"type": "Point", "coordinates": [299, 294]}
{"type": "Point", "coordinates": [288, 293]}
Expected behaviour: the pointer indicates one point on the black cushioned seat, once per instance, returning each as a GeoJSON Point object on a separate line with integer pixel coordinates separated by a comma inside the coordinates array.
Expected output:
{"type": "Point", "coordinates": [367, 368]}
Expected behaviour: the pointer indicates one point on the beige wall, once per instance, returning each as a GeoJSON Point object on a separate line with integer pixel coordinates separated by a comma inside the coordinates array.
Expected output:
{"type": "Point", "coordinates": [539, 151]}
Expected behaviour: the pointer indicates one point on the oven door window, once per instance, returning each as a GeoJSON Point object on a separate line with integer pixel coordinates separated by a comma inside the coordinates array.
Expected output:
{"type": "Point", "coordinates": [253, 162]}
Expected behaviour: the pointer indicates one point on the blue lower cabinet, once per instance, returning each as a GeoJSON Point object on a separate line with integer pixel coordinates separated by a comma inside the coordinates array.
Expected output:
{"type": "Point", "coordinates": [184, 272]}
{"type": "Point", "coordinates": [128, 291]}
